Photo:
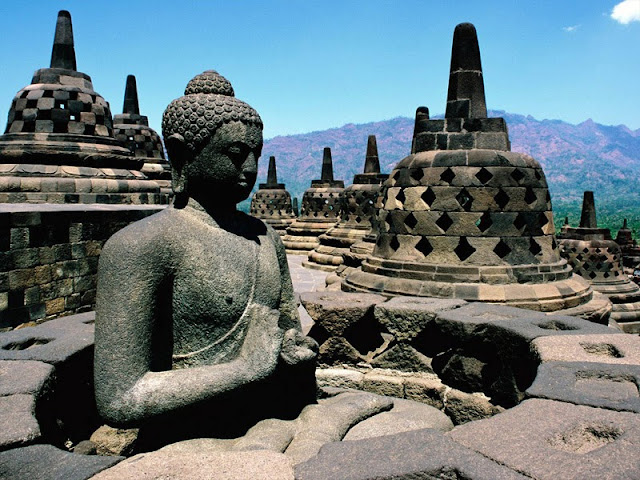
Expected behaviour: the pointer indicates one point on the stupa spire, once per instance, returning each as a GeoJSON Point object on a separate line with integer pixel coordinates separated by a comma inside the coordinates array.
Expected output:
{"type": "Point", "coordinates": [420, 126]}
{"type": "Point", "coordinates": [327, 166]}
{"type": "Point", "coordinates": [272, 175]}
{"type": "Point", "coordinates": [131, 97]}
{"type": "Point", "coordinates": [63, 54]}
{"type": "Point", "coordinates": [588, 217]}
{"type": "Point", "coordinates": [372, 162]}
{"type": "Point", "coordinates": [465, 98]}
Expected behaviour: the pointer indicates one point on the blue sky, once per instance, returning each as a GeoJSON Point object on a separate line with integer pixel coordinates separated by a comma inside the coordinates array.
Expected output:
{"type": "Point", "coordinates": [310, 65]}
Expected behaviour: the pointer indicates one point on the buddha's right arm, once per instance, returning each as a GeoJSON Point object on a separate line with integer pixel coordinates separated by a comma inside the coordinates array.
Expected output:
{"type": "Point", "coordinates": [133, 376]}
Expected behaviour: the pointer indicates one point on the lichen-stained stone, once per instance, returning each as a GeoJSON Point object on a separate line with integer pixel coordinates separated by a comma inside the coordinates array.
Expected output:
{"type": "Point", "coordinates": [614, 349]}
{"type": "Point", "coordinates": [403, 357]}
{"type": "Point", "coordinates": [610, 386]}
{"type": "Point", "coordinates": [337, 311]}
{"type": "Point", "coordinates": [44, 462]}
{"type": "Point", "coordinates": [463, 407]}
{"type": "Point", "coordinates": [545, 439]}
{"type": "Point", "coordinates": [406, 317]}
{"type": "Point", "coordinates": [464, 217]}
{"type": "Point", "coordinates": [405, 416]}
{"type": "Point", "coordinates": [417, 454]}
{"type": "Point", "coordinates": [336, 351]}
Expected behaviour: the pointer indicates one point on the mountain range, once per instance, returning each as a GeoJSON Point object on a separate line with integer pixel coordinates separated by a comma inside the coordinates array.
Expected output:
{"type": "Point", "coordinates": [587, 156]}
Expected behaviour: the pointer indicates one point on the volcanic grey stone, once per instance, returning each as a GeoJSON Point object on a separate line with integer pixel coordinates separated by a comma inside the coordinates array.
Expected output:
{"type": "Point", "coordinates": [545, 439]}
{"type": "Point", "coordinates": [46, 462]}
{"type": "Point", "coordinates": [18, 423]}
{"type": "Point", "coordinates": [25, 376]}
{"type": "Point", "coordinates": [405, 416]}
{"type": "Point", "coordinates": [198, 465]}
{"type": "Point", "coordinates": [337, 311]}
{"type": "Point", "coordinates": [403, 357]}
{"type": "Point", "coordinates": [464, 407]}
{"type": "Point", "coordinates": [406, 317]}
{"type": "Point", "coordinates": [56, 342]}
{"type": "Point", "coordinates": [410, 455]}
{"type": "Point", "coordinates": [596, 384]}
{"type": "Point", "coordinates": [197, 329]}
{"type": "Point", "coordinates": [616, 349]}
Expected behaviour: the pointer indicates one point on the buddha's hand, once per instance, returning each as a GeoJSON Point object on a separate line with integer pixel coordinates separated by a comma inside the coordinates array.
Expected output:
{"type": "Point", "coordinates": [298, 348]}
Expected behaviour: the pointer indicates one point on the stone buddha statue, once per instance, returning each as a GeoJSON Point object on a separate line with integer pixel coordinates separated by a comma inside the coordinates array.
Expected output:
{"type": "Point", "coordinates": [197, 330]}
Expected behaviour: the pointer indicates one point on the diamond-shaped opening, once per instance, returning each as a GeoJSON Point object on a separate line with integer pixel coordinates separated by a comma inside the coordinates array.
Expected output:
{"type": "Point", "coordinates": [530, 196]}
{"type": "Point", "coordinates": [501, 199]}
{"type": "Point", "coordinates": [464, 199]}
{"type": "Point", "coordinates": [502, 249]}
{"type": "Point", "coordinates": [358, 219]}
{"type": "Point", "coordinates": [484, 222]}
{"type": "Point", "coordinates": [517, 175]}
{"type": "Point", "coordinates": [606, 275]}
{"type": "Point", "coordinates": [538, 175]}
{"type": "Point", "coordinates": [592, 275]}
{"type": "Point", "coordinates": [542, 221]}
{"type": "Point", "coordinates": [444, 222]}
{"type": "Point", "coordinates": [464, 249]}
{"type": "Point", "coordinates": [364, 335]}
{"type": "Point", "coordinates": [447, 176]}
{"type": "Point", "coordinates": [411, 221]}
{"type": "Point", "coordinates": [400, 197]}
{"type": "Point", "coordinates": [519, 222]}
{"type": "Point", "coordinates": [534, 247]}
{"type": "Point", "coordinates": [554, 244]}
{"type": "Point", "coordinates": [428, 196]}
{"type": "Point", "coordinates": [394, 244]}
{"type": "Point", "coordinates": [424, 247]}
{"type": "Point", "coordinates": [484, 175]}
{"type": "Point", "coordinates": [417, 174]}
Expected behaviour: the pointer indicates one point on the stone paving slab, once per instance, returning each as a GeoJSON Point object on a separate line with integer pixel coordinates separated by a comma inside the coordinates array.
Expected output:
{"type": "Point", "coordinates": [616, 349]}
{"type": "Point", "coordinates": [546, 439]}
{"type": "Point", "coordinates": [46, 462]}
{"type": "Point", "coordinates": [596, 384]}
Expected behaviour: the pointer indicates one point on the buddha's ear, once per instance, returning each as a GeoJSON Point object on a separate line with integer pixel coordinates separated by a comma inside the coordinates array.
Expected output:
{"type": "Point", "coordinates": [179, 156]}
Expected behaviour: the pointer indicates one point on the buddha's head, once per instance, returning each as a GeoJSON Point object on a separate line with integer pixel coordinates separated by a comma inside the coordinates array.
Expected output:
{"type": "Point", "coordinates": [213, 140]}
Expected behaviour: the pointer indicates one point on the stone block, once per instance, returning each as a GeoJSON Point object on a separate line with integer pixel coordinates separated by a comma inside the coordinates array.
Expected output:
{"type": "Point", "coordinates": [425, 390]}
{"type": "Point", "coordinates": [387, 385]}
{"type": "Point", "coordinates": [18, 424]}
{"type": "Point", "coordinates": [609, 348]}
{"type": "Point", "coordinates": [46, 462]}
{"type": "Point", "coordinates": [337, 311]}
{"type": "Point", "coordinates": [25, 377]}
{"type": "Point", "coordinates": [411, 455]}
{"type": "Point", "coordinates": [114, 441]}
{"type": "Point", "coordinates": [406, 317]}
{"type": "Point", "coordinates": [403, 357]}
{"type": "Point", "coordinates": [465, 407]}
{"type": "Point", "coordinates": [595, 384]}
{"type": "Point", "coordinates": [545, 439]}
{"type": "Point", "coordinates": [337, 351]}
{"type": "Point", "coordinates": [198, 464]}
{"type": "Point", "coordinates": [339, 378]}
{"type": "Point", "coordinates": [405, 416]}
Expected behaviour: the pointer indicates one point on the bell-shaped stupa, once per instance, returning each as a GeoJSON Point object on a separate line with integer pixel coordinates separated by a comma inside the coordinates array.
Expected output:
{"type": "Point", "coordinates": [319, 212]}
{"type": "Point", "coordinates": [598, 259]}
{"type": "Point", "coordinates": [272, 203]}
{"type": "Point", "coordinates": [59, 146]}
{"type": "Point", "coordinates": [465, 217]}
{"type": "Point", "coordinates": [132, 130]}
{"type": "Point", "coordinates": [357, 209]}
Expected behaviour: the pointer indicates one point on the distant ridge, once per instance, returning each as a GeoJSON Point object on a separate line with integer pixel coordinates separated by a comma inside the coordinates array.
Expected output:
{"type": "Point", "coordinates": [587, 156]}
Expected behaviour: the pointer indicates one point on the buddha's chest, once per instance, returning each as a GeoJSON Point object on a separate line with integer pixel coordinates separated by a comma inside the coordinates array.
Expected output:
{"type": "Point", "coordinates": [212, 288]}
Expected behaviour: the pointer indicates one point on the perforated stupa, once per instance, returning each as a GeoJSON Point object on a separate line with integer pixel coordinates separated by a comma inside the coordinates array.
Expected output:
{"type": "Point", "coordinates": [272, 203]}
{"type": "Point", "coordinates": [320, 210]}
{"type": "Point", "coordinates": [465, 217]}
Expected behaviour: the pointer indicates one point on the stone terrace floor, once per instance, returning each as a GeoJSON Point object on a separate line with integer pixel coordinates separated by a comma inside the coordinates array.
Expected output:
{"type": "Point", "coordinates": [305, 280]}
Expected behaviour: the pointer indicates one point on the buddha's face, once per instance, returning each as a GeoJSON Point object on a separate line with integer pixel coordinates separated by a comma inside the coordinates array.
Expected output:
{"type": "Point", "coordinates": [226, 168]}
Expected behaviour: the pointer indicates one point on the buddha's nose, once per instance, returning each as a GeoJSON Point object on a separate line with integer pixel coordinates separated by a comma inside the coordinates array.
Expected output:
{"type": "Point", "coordinates": [250, 164]}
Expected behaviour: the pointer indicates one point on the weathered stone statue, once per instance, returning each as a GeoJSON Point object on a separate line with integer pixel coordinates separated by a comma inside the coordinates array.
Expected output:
{"type": "Point", "coordinates": [197, 330]}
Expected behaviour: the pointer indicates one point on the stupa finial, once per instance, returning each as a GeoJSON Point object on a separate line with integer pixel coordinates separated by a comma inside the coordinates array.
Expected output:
{"type": "Point", "coordinates": [624, 224]}
{"type": "Point", "coordinates": [327, 166]}
{"type": "Point", "coordinates": [131, 97]}
{"type": "Point", "coordinates": [465, 98]}
{"type": "Point", "coordinates": [272, 175]}
{"type": "Point", "coordinates": [420, 125]}
{"type": "Point", "coordinates": [588, 217]}
{"type": "Point", "coordinates": [63, 54]}
{"type": "Point", "coordinates": [372, 162]}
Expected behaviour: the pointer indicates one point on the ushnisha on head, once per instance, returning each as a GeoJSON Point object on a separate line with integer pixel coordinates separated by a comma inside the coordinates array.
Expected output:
{"type": "Point", "coordinates": [213, 139]}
